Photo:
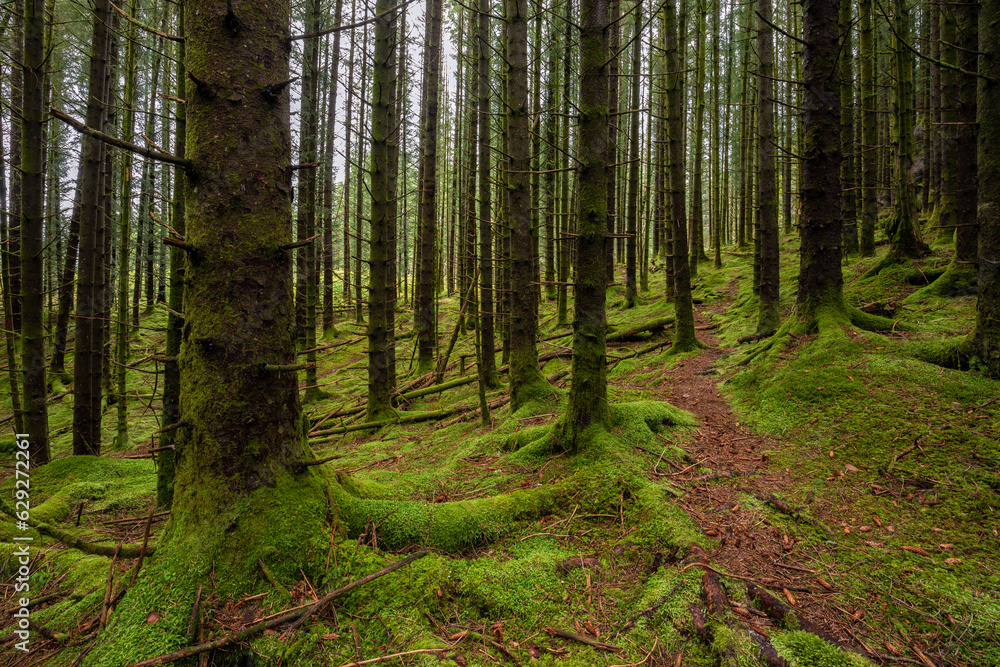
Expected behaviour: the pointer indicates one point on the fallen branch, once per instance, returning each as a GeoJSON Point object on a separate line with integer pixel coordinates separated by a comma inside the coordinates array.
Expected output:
{"type": "Point", "coordinates": [652, 326]}
{"type": "Point", "coordinates": [294, 615]}
{"type": "Point", "coordinates": [383, 658]}
{"type": "Point", "coordinates": [583, 640]}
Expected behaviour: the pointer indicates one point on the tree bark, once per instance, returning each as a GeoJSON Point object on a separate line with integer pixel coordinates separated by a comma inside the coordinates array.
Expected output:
{"type": "Point", "coordinates": [488, 361]}
{"type": "Point", "coordinates": [631, 293]}
{"type": "Point", "coordinates": [588, 403]}
{"type": "Point", "coordinates": [769, 312]}
{"type": "Point", "coordinates": [986, 334]}
{"type": "Point", "coordinates": [36, 421]}
{"type": "Point", "coordinates": [820, 279]}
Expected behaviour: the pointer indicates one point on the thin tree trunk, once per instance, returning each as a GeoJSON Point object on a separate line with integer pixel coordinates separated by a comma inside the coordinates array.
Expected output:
{"type": "Point", "coordinates": [488, 362]}
{"type": "Point", "coordinates": [869, 136]}
{"type": "Point", "coordinates": [631, 292]}
{"type": "Point", "coordinates": [329, 319]}
{"type": "Point", "coordinates": [847, 129]}
{"type": "Point", "coordinates": [424, 317]}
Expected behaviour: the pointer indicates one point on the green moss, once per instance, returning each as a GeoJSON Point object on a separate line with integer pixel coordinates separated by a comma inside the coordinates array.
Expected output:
{"type": "Point", "coordinates": [804, 649]}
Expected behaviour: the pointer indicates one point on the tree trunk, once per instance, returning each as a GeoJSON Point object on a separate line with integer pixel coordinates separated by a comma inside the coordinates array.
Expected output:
{"type": "Point", "coordinates": [820, 279]}
{"type": "Point", "coordinates": [631, 293]}
{"type": "Point", "coordinates": [588, 387]}
{"type": "Point", "coordinates": [33, 116]}
{"type": "Point", "coordinates": [424, 317]}
{"type": "Point", "coordinates": [525, 375]}
{"type": "Point", "coordinates": [87, 365]}
{"type": "Point", "coordinates": [869, 136]}
{"type": "Point", "coordinates": [684, 336]}
{"type": "Point", "coordinates": [986, 334]}
{"type": "Point", "coordinates": [380, 359]}
{"type": "Point", "coordinates": [490, 376]}
{"type": "Point", "coordinates": [769, 312]}
{"type": "Point", "coordinates": [329, 328]}
{"type": "Point", "coordinates": [697, 195]}
{"type": "Point", "coordinates": [847, 129]}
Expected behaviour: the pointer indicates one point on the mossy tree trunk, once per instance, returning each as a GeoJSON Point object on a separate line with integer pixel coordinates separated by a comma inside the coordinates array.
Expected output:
{"type": "Point", "coordinates": [986, 335]}
{"type": "Point", "coordinates": [552, 160]}
{"type": "Point", "coordinates": [486, 300]}
{"type": "Point", "coordinates": [36, 420]}
{"type": "Point", "coordinates": [329, 319]}
{"type": "Point", "coordinates": [904, 236]}
{"type": "Point", "coordinates": [167, 457]}
{"type": "Point", "coordinates": [850, 225]}
{"type": "Point", "coordinates": [614, 32]}
{"type": "Point", "coordinates": [424, 318]}
{"type": "Point", "coordinates": [768, 314]}
{"type": "Point", "coordinates": [967, 230]}
{"type": "Point", "coordinates": [588, 403]}
{"type": "Point", "coordinates": [820, 279]}
{"type": "Point", "coordinates": [348, 166]}
{"type": "Point", "coordinates": [697, 196]}
{"type": "Point", "coordinates": [684, 336]}
{"type": "Point", "coordinates": [380, 359]}
{"type": "Point", "coordinates": [87, 355]}
{"type": "Point", "coordinates": [869, 127]}
{"type": "Point", "coordinates": [525, 375]}
{"type": "Point", "coordinates": [631, 293]}
{"type": "Point", "coordinates": [947, 130]}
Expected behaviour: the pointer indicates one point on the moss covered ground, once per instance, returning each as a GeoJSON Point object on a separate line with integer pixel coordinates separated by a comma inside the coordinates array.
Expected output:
{"type": "Point", "coordinates": [891, 464]}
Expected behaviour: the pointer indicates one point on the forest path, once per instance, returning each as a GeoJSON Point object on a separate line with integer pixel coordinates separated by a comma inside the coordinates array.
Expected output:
{"type": "Point", "coordinates": [746, 504]}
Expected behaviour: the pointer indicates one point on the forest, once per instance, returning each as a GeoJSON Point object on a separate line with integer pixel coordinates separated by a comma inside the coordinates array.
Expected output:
{"type": "Point", "coordinates": [474, 332]}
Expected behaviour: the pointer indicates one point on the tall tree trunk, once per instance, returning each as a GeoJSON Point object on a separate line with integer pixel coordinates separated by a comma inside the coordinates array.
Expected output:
{"type": "Point", "coordinates": [525, 375]}
{"type": "Point", "coordinates": [124, 235]}
{"type": "Point", "coordinates": [769, 313]}
{"type": "Point", "coordinates": [869, 136]}
{"type": "Point", "coordinates": [820, 279]}
{"type": "Point", "coordinates": [847, 129]}
{"type": "Point", "coordinates": [486, 336]}
{"type": "Point", "coordinates": [166, 458]}
{"type": "Point", "coordinates": [697, 196]}
{"type": "Point", "coordinates": [424, 317]}
{"type": "Point", "coordinates": [552, 160]}
{"type": "Point", "coordinates": [986, 334]}
{"type": "Point", "coordinates": [588, 388]}
{"type": "Point", "coordinates": [87, 365]}
{"type": "Point", "coordinates": [305, 291]}
{"type": "Point", "coordinates": [947, 129]}
{"type": "Point", "coordinates": [348, 166]}
{"type": "Point", "coordinates": [684, 336]}
{"type": "Point", "coordinates": [614, 30]}
{"type": "Point", "coordinates": [633, 168]}
{"type": "Point", "coordinates": [329, 327]}
{"type": "Point", "coordinates": [904, 236]}
{"type": "Point", "coordinates": [36, 420]}
{"type": "Point", "coordinates": [380, 387]}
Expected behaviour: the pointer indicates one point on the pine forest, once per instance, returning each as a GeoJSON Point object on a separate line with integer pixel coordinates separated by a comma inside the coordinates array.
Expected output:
{"type": "Point", "coordinates": [575, 333]}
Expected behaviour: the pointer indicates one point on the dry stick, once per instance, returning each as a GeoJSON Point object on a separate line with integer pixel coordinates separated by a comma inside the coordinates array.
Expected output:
{"type": "Point", "coordinates": [372, 661]}
{"type": "Point", "coordinates": [145, 543]}
{"type": "Point", "coordinates": [106, 605]}
{"type": "Point", "coordinates": [443, 361]}
{"type": "Point", "coordinates": [583, 640]}
{"type": "Point", "coordinates": [300, 613]}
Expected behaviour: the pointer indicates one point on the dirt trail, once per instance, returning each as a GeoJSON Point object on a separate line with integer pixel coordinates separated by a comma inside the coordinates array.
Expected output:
{"type": "Point", "coordinates": [745, 541]}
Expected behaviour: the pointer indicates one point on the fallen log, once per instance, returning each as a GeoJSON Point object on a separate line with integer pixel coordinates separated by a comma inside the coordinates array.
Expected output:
{"type": "Point", "coordinates": [651, 326]}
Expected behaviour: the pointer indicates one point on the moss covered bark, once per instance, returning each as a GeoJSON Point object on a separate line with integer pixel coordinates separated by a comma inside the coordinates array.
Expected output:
{"type": "Point", "coordinates": [820, 280]}
{"type": "Point", "coordinates": [526, 377]}
{"type": "Point", "coordinates": [986, 335]}
{"type": "Point", "coordinates": [588, 391]}
{"type": "Point", "coordinates": [237, 503]}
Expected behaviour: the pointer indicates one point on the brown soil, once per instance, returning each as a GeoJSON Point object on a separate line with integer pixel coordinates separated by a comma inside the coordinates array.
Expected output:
{"type": "Point", "coordinates": [731, 464]}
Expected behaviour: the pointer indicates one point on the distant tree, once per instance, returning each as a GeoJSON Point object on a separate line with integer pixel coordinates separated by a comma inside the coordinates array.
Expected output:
{"type": "Point", "coordinates": [486, 300]}
{"type": "Point", "coordinates": [632, 212]}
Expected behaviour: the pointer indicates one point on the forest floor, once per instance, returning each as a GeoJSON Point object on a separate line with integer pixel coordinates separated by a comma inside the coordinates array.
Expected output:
{"type": "Point", "coordinates": [855, 483]}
